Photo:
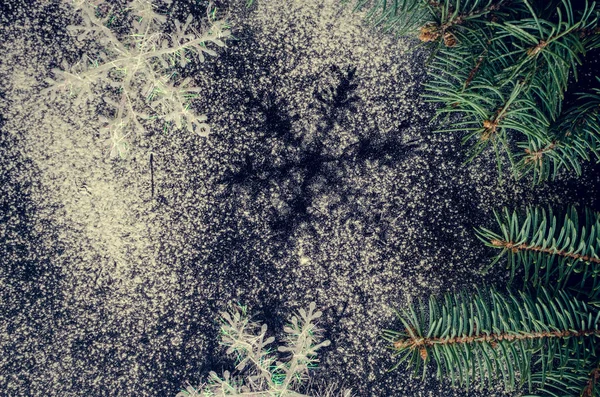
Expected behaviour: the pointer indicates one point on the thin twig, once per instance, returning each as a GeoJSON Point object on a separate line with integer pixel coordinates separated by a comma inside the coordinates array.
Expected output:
{"type": "Point", "coordinates": [416, 342]}
{"type": "Point", "coordinates": [524, 247]}
{"type": "Point", "coordinates": [152, 174]}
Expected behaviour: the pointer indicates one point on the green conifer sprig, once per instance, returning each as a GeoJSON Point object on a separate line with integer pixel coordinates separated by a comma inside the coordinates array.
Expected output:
{"type": "Point", "coordinates": [432, 19]}
{"type": "Point", "coordinates": [504, 66]}
{"type": "Point", "coordinates": [486, 337]}
{"type": "Point", "coordinates": [543, 52]}
{"type": "Point", "coordinates": [399, 16]}
{"type": "Point", "coordinates": [546, 337]}
{"type": "Point", "coordinates": [571, 140]}
{"type": "Point", "coordinates": [573, 378]}
{"type": "Point", "coordinates": [547, 249]}
{"type": "Point", "coordinates": [513, 72]}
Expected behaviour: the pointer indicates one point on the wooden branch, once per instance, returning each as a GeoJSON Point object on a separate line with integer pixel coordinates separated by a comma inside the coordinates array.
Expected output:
{"type": "Point", "coordinates": [591, 384]}
{"type": "Point", "coordinates": [493, 339]}
{"type": "Point", "coordinates": [524, 247]}
{"type": "Point", "coordinates": [474, 71]}
{"type": "Point", "coordinates": [535, 156]}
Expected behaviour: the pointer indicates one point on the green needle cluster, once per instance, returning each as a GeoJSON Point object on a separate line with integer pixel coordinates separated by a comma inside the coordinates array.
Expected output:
{"type": "Point", "coordinates": [545, 337]}
{"type": "Point", "coordinates": [502, 68]}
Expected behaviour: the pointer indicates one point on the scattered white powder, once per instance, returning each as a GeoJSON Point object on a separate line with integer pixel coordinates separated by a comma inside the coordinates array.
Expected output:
{"type": "Point", "coordinates": [142, 279]}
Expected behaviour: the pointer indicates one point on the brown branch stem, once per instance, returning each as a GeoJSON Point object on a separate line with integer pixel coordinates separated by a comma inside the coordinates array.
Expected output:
{"type": "Point", "coordinates": [592, 382]}
{"type": "Point", "coordinates": [474, 71]}
{"type": "Point", "coordinates": [524, 247]}
{"type": "Point", "coordinates": [535, 156]}
{"type": "Point", "coordinates": [417, 342]}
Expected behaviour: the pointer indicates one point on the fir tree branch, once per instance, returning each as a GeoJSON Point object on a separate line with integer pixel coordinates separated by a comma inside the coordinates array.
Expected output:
{"type": "Point", "coordinates": [509, 245]}
{"type": "Point", "coordinates": [576, 377]}
{"type": "Point", "coordinates": [506, 74]}
{"type": "Point", "coordinates": [492, 339]}
{"type": "Point", "coordinates": [545, 249]}
{"type": "Point", "coordinates": [492, 336]}
{"type": "Point", "coordinates": [573, 138]}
